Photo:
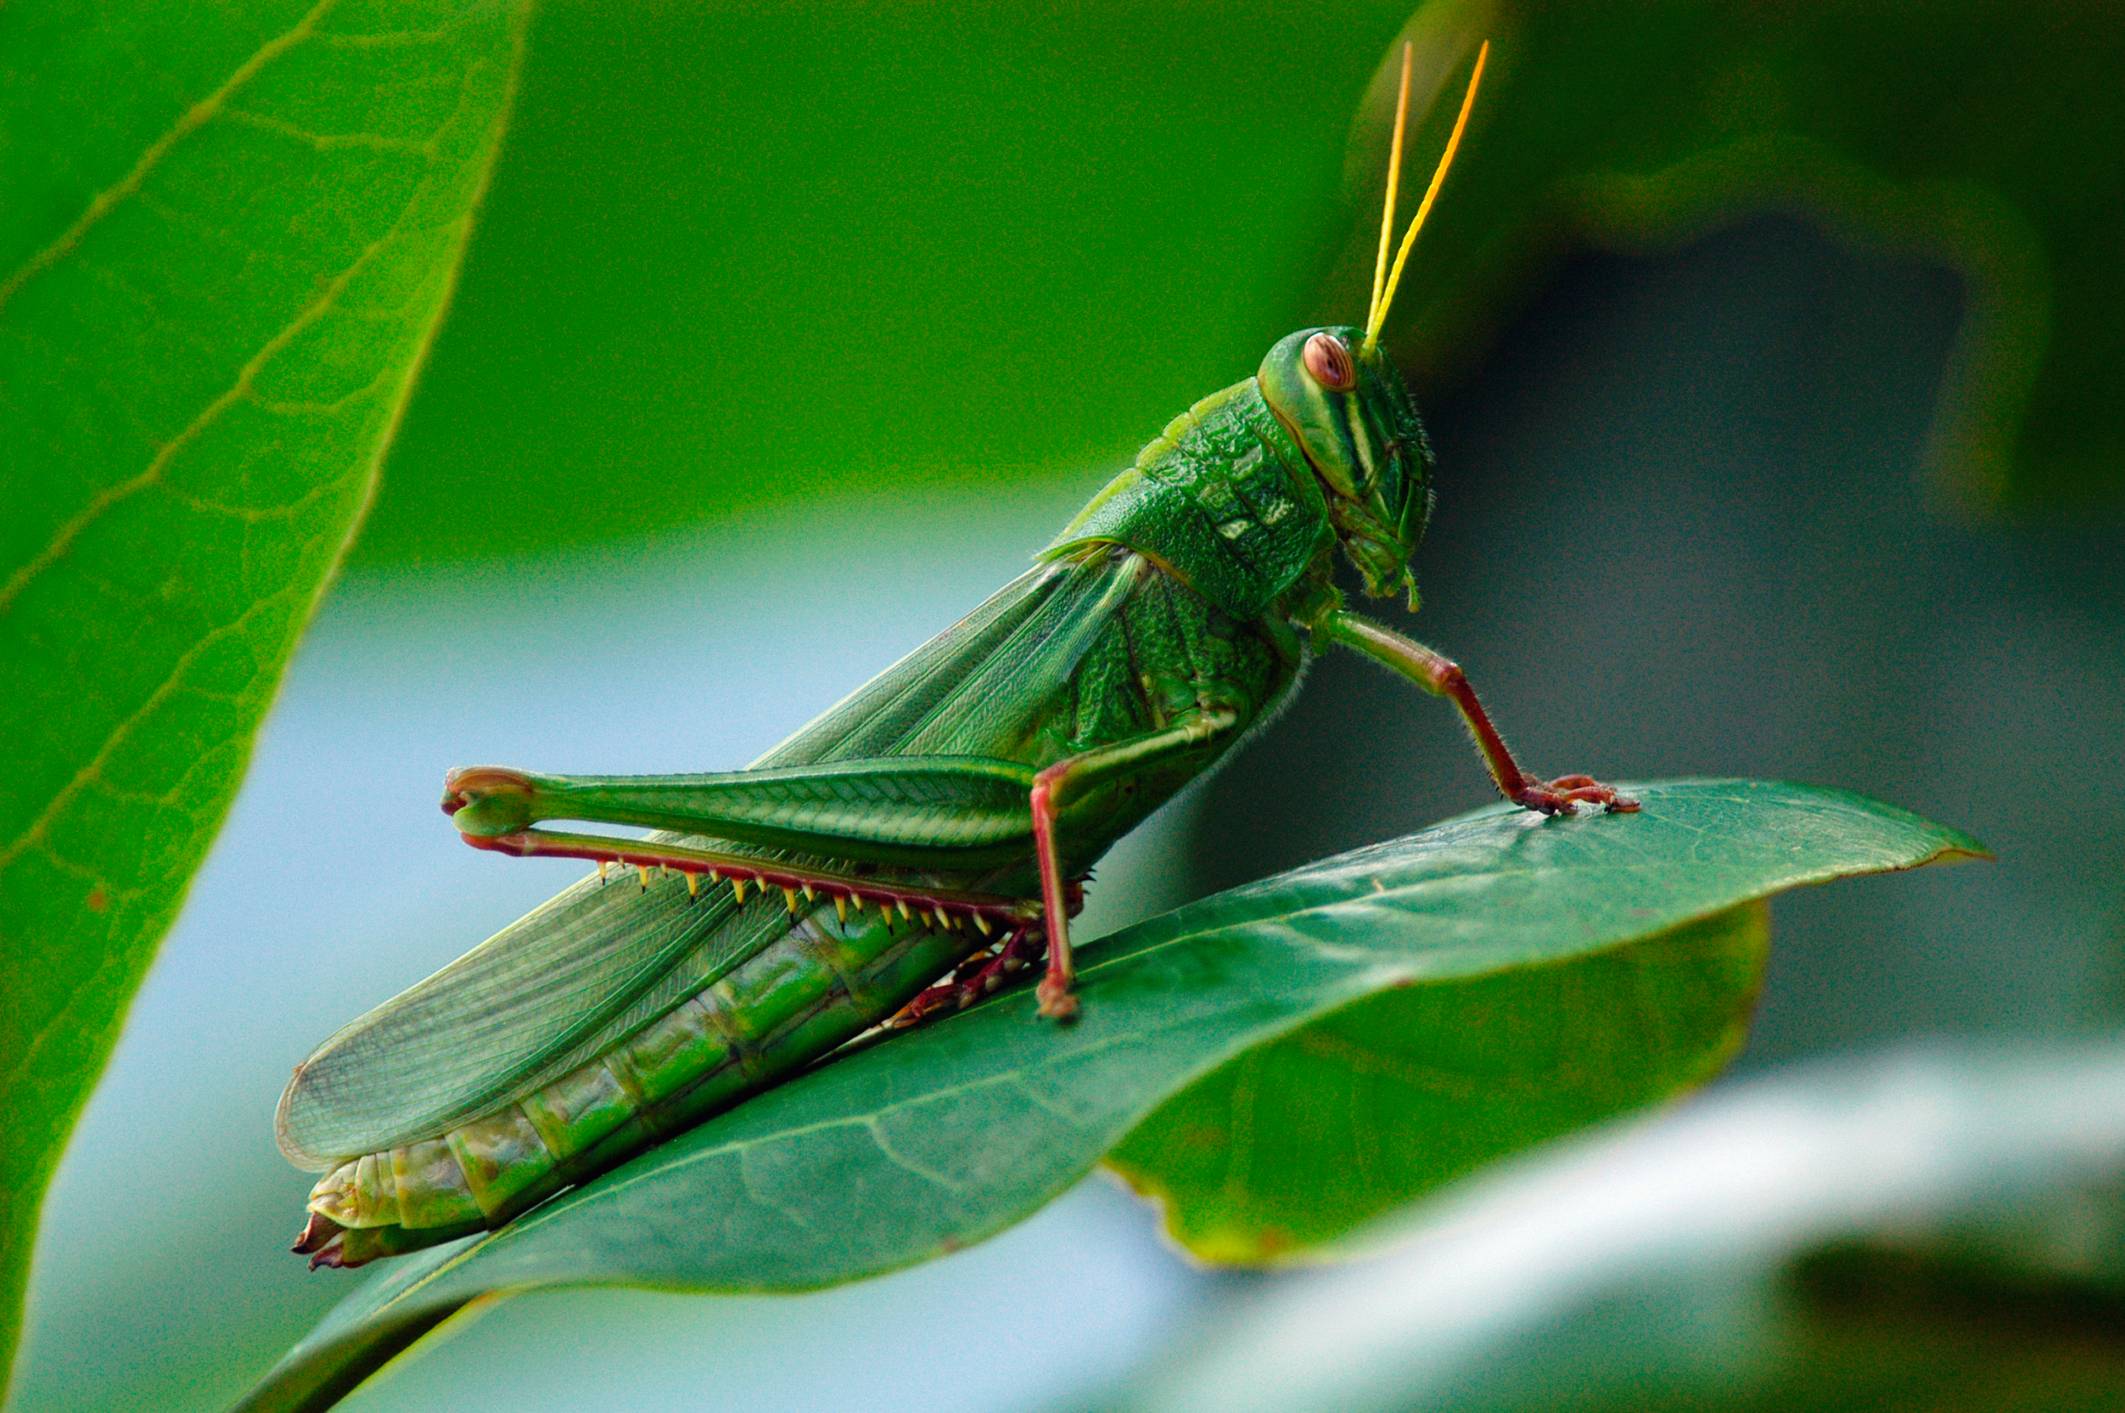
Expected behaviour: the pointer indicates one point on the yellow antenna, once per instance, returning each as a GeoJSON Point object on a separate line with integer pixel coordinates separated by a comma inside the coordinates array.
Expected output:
{"type": "Point", "coordinates": [1431, 193]}
{"type": "Point", "coordinates": [1394, 180]}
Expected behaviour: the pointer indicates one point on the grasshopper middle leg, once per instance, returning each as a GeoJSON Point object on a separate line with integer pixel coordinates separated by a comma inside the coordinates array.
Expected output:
{"type": "Point", "coordinates": [1050, 796]}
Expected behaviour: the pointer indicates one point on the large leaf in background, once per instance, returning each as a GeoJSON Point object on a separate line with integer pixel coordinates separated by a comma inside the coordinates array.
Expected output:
{"type": "Point", "coordinates": [913, 1148]}
{"type": "Point", "coordinates": [226, 236]}
{"type": "Point", "coordinates": [1937, 1228]}
{"type": "Point", "coordinates": [1146, 196]}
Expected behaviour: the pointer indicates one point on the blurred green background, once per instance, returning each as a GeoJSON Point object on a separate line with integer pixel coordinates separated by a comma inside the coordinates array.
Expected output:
{"type": "Point", "coordinates": [785, 335]}
{"type": "Point", "coordinates": [741, 257]}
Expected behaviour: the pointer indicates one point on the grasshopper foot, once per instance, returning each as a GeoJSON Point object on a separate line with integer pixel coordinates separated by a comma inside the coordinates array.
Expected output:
{"type": "Point", "coordinates": [978, 977]}
{"type": "Point", "coordinates": [1057, 1001]}
{"type": "Point", "coordinates": [1566, 793]}
{"type": "Point", "coordinates": [936, 1002]}
{"type": "Point", "coordinates": [982, 975]}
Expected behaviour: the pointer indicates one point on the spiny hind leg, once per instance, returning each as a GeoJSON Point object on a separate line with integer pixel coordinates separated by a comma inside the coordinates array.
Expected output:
{"type": "Point", "coordinates": [800, 885]}
{"type": "Point", "coordinates": [936, 813]}
{"type": "Point", "coordinates": [941, 817]}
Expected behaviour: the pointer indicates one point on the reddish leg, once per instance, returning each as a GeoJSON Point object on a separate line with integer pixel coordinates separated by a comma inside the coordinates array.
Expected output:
{"type": "Point", "coordinates": [1052, 788]}
{"type": "Point", "coordinates": [1442, 677]}
{"type": "Point", "coordinates": [1056, 1002]}
{"type": "Point", "coordinates": [975, 978]}
{"type": "Point", "coordinates": [948, 906]}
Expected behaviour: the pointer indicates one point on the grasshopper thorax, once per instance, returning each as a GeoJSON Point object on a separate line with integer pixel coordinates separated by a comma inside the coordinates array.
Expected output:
{"type": "Point", "coordinates": [1350, 412]}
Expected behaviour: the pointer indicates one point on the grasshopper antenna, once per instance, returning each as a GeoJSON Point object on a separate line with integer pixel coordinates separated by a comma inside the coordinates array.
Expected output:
{"type": "Point", "coordinates": [1385, 296]}
{"type": "Point", "coordinates": [1394, 180]}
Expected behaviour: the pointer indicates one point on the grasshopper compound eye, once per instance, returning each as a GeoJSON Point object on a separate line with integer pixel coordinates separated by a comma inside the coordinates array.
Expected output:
{"type": "Point", "coordinates": [1329, 363]}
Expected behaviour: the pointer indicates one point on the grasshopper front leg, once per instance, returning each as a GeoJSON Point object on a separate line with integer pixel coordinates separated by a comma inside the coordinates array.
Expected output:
{"type": "Point", "coordinates": [1442, 677]}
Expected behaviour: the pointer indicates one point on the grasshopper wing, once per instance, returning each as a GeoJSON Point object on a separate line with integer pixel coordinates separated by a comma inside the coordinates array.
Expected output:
{"type": "Point", "coordinates": [520, 1006]}
{"type": "Point", "coordinates": [596, 963]}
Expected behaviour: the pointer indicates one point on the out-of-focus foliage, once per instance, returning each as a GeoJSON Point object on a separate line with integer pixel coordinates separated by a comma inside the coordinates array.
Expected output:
{"type": "Point", "coordinates": [1964, 132]}
{"type": "Point", "coordinates": [1930, 1229]}
{"type": "Point", "coordinates": [225, 239]}
{"type": "Point", "coordinates": [747, 254]}
{"type": "Point", "coordinates": [920, 1145]}
{"type": "Point", "coordinates": [935, 246]}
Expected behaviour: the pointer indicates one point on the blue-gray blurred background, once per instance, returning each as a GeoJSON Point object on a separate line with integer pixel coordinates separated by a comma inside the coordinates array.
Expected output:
{"type": "Point", "coordinates": [781, 345]}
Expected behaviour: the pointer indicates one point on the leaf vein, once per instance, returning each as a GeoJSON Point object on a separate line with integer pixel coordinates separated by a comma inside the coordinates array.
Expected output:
{"type": "Point", "coordinates": [899, 1159]}
{"type": "Point", "coordinates": [193, 119]}
{"type": "Point", "coordinates": [238, 391]}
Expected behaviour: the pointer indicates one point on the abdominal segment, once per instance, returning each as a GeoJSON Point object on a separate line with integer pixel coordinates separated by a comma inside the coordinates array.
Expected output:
{"type": "Point", "coordinates": [820, 985]}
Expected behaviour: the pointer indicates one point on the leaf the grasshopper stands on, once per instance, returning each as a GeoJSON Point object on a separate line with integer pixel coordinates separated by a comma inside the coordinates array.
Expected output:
{"type": "Point", "coordinates": [917, 1146]}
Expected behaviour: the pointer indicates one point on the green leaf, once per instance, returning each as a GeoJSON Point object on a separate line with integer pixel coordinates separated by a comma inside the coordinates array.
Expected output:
{"type": "Point", "coordinates": [1293, 1144]}
{"type": "Point", "coordinates": [1939, 1227]}
{"type": "Point", "coordinates": [916, 1147]}
{"type": "Point", "coordinates": [226, 237]}
{"type": "Point", "coordinates": [934, 173]}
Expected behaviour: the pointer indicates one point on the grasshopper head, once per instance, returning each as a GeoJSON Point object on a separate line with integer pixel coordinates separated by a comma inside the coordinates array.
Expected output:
{"type": "Point", "coordinates": [1347, 406]}
{"type": "Point", "coordinates": [1339, 395]}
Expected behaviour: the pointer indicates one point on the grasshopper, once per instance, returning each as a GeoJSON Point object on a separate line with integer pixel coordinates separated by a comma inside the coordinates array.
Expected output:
{"type": "Point", "coordinates": [917, 844]}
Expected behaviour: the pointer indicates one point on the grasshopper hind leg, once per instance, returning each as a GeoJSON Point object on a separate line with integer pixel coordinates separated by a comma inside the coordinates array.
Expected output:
{"type": "Point", "coordinates": [936, 814]}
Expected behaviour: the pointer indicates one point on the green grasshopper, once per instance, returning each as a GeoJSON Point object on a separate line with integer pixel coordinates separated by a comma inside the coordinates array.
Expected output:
{"type": "Point", "coordinates": [935, 825]}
